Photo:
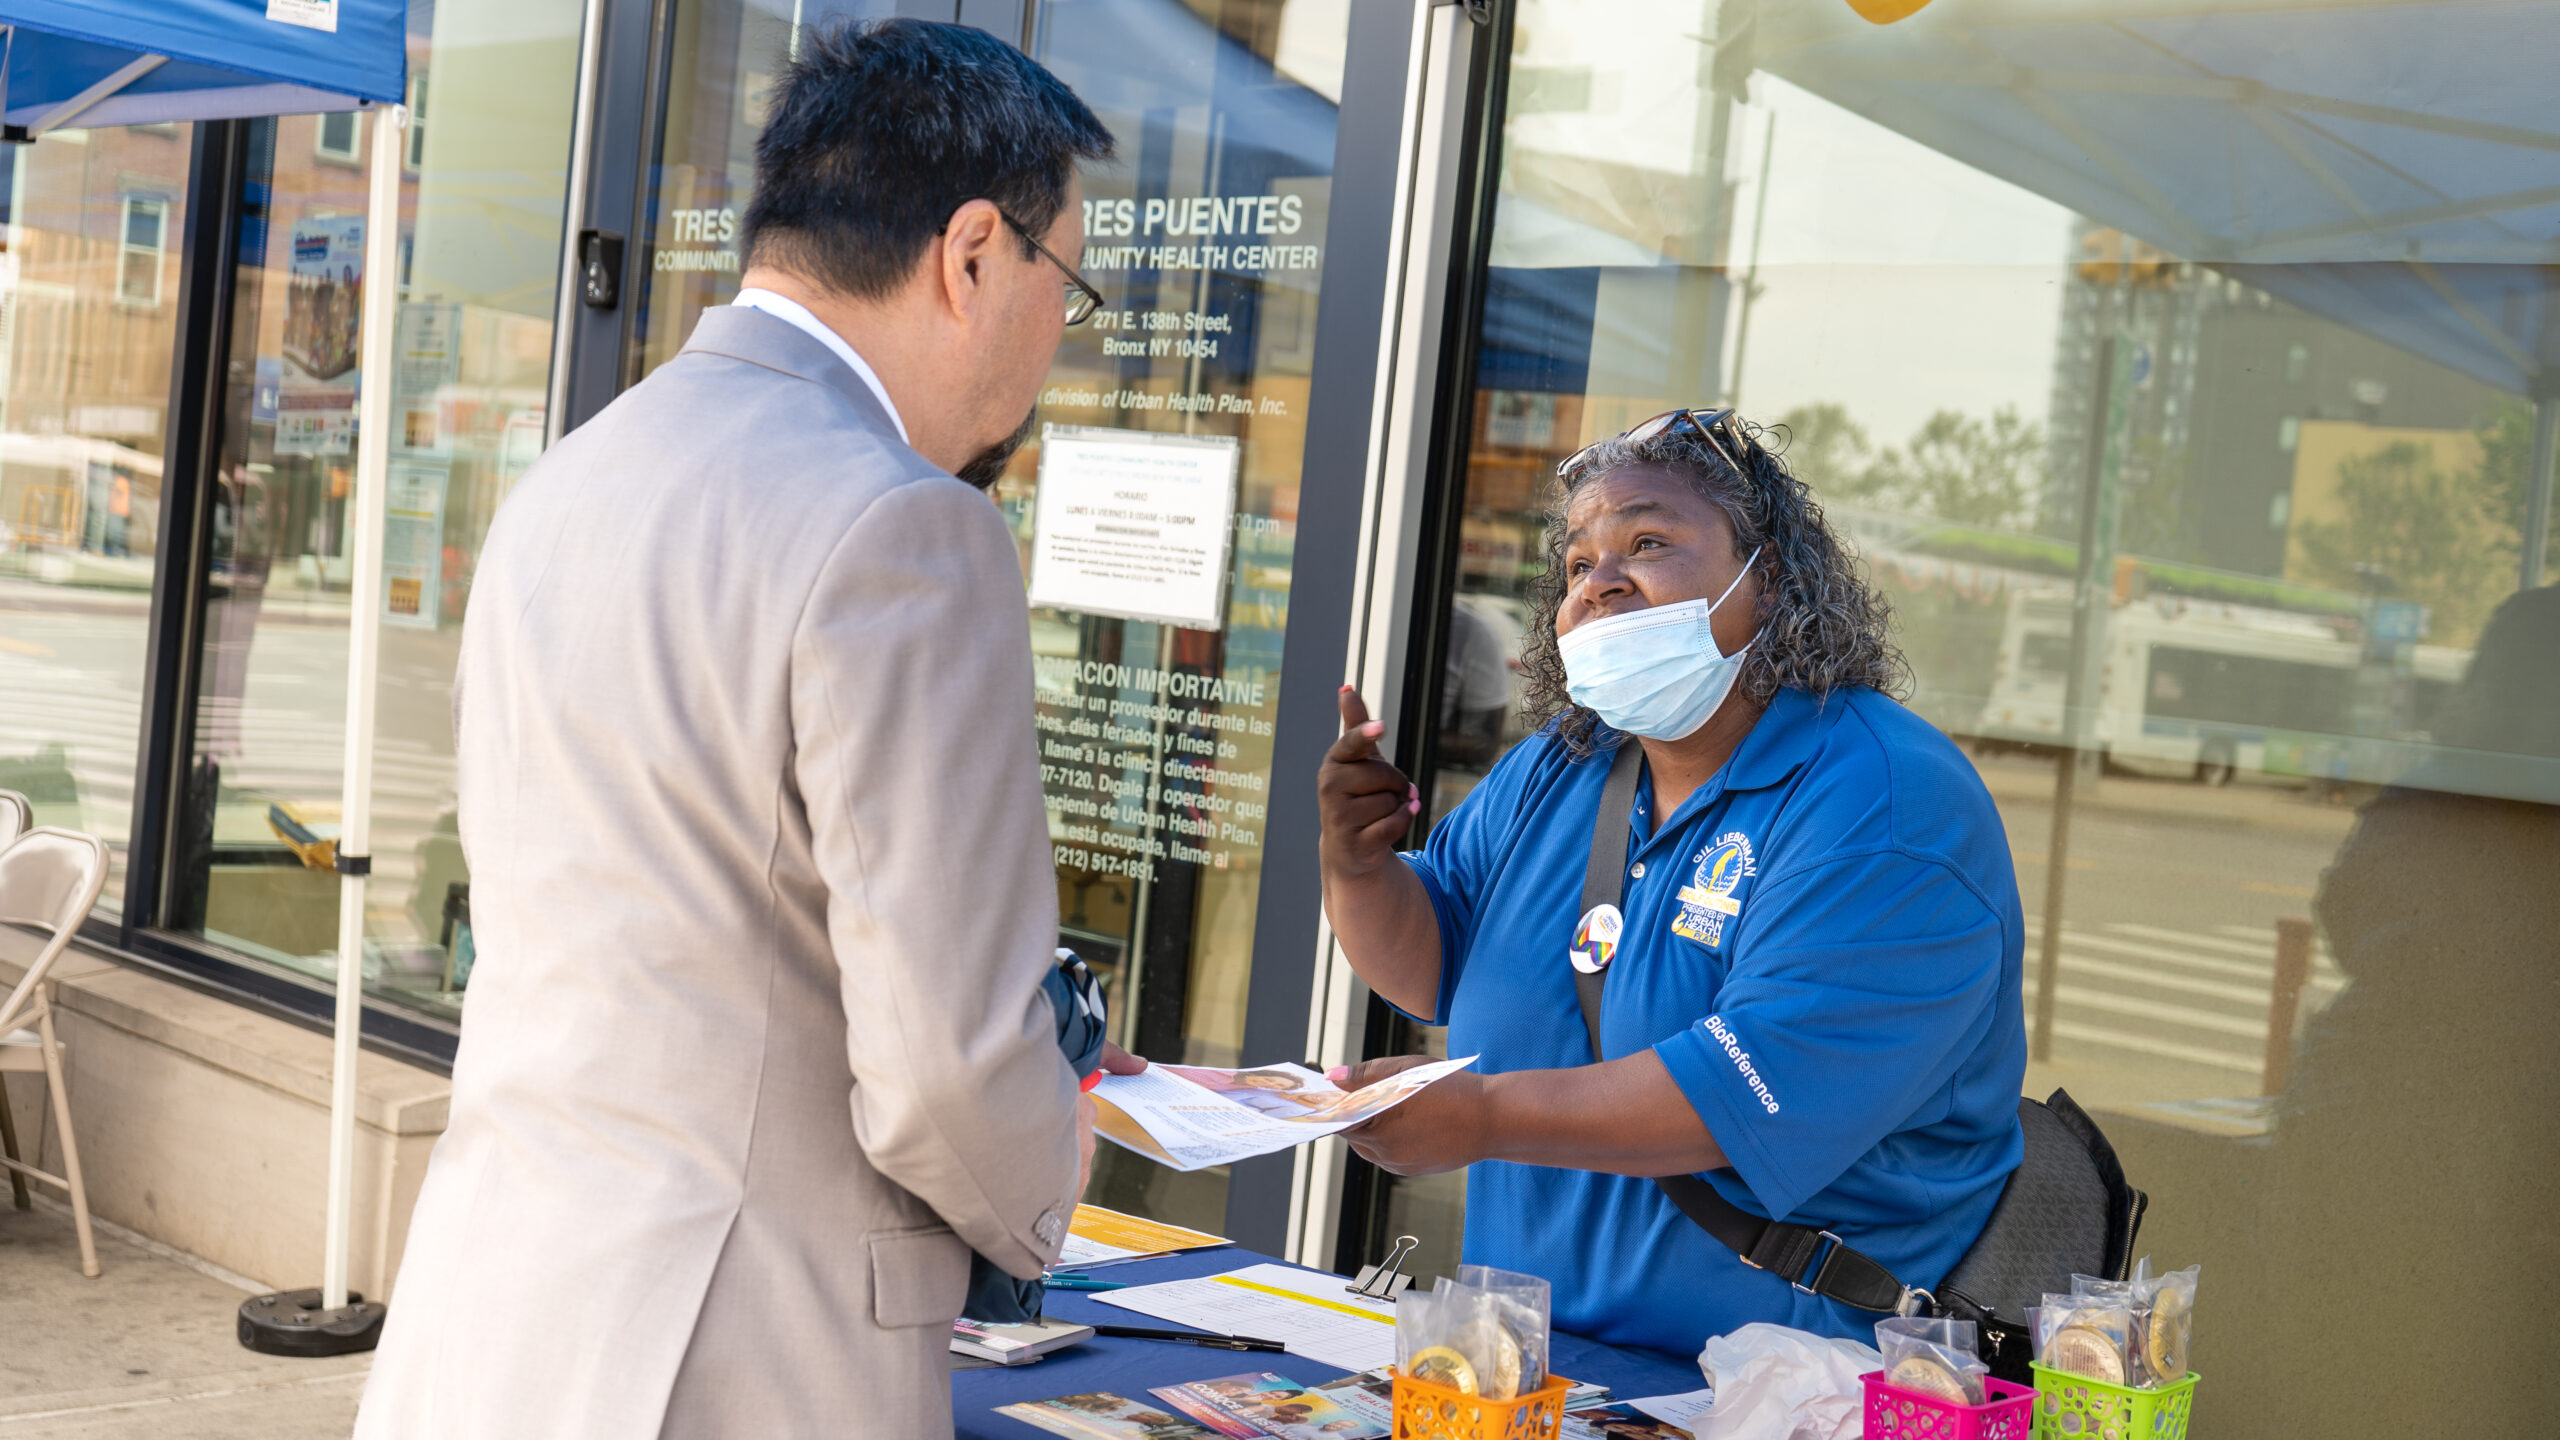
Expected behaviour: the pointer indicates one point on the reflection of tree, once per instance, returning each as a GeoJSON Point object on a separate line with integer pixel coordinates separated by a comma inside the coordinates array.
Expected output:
{"type": "Point", "coordinates": [2431, 536]}
{"type": "Point", "coordinates": [2506, 453]}
{"type": "Point", "coordinates": [1956, 467]}
{"type": "Point", "coordinates": [1827, 450]}
{"type": "Point", "coordinates": [1974, 472]}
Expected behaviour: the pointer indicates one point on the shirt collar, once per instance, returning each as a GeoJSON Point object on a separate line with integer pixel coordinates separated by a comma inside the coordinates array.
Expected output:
{"type": "Point", "coordinates": [782, 307]}
{"type": "Point", "coordinates": [1783, 739]}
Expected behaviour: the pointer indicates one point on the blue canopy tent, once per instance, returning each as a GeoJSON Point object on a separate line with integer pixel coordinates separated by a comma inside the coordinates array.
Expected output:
{"type": "Point", "coordinates": [2394, 166]}
{"type": "Point", "coordinates": [146, 62]}
{"type": "Point", "coordinates": [131, 62]}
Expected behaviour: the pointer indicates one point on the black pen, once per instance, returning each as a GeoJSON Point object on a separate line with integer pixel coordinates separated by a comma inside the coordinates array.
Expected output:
{"type": "Point", "coordinates": [1185, 1337]}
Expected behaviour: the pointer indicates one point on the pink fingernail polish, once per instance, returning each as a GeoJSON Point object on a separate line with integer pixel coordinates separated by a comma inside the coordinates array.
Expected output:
{"type": "Point", "coordinates": [1413, 807]}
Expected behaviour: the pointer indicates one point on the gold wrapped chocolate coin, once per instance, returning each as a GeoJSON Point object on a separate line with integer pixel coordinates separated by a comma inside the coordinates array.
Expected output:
{"type": "Point", "coordinates": [2164, 1340]}
{"type": "Point", "coordinates": [1443, 1366]}
{"type": "Point", "coordinates": [2083, 1350]}
{"type": "Point", "coordinates": [1927, 1377]}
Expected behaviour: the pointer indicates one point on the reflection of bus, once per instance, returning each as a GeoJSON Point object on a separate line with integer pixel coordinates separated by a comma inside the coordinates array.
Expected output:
{"type": "Point", "coordinates": [2194, 688]}
{"type": "Point", "coordinates": [74, 495]}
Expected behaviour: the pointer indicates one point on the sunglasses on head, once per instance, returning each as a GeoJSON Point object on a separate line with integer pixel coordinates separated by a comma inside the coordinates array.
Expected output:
{"type": "Point", "coordinates": [1704, 422]}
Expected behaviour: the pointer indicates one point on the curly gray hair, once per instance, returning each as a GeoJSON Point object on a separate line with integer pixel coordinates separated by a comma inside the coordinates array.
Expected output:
{"type": "Point", "coordinates": [1823, 626]}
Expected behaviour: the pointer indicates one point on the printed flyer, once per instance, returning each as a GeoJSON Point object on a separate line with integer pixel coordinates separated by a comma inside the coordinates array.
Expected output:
{"type": "Point", "coordinates": [323, 316]}
{"type": "Point", "coordinates": [1190, 1117]}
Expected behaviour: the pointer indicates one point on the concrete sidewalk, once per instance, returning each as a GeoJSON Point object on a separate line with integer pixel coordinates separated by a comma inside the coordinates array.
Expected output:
{"type": "Point", "coordinates": [146, 1349]}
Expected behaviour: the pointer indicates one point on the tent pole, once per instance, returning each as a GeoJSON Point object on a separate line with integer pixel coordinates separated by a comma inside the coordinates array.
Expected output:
{"type": "Point", "coordinates": [2537, 489]}
{"type": "Point", "coordinates": [364, 660]}
{"type": "Point", "coordinates": [2090, 597]}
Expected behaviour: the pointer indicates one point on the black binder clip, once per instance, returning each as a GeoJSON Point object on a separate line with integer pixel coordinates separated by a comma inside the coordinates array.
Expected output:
{"type": "Point", "coordinates": [1386, 1279]}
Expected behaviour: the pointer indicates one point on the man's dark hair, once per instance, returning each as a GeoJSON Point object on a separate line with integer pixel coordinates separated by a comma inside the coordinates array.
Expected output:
{"type": "Point", "coordinates": [879, 129]}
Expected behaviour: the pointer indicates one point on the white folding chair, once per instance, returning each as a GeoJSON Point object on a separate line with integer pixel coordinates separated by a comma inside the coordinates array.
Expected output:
{"type": "Point", "coordinates": [17, 817]}
{"type": "Point", "coordinates": [48, 880]}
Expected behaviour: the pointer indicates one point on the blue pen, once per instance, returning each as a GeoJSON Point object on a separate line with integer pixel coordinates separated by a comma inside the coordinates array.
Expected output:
{"type": "Point", "coordinates": [1078, 1282]}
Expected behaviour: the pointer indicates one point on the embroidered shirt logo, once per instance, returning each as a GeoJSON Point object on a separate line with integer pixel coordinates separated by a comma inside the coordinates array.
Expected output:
{"type": "Point", "coordinates": [1708, 900]}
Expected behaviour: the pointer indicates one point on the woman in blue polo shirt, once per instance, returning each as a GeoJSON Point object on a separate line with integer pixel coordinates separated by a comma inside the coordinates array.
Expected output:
{"type": "Point", "coordinates": [1813, 1004]}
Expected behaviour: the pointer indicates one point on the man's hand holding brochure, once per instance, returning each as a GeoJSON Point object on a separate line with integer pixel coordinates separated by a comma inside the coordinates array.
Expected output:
{"type": "Point", "coordinates": [1190, 1117]}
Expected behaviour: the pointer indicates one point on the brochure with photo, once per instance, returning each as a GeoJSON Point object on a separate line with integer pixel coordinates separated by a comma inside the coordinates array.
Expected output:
{"type": "Point", "coordinates": [1269, 1407]}
{"type": "Point", "coordinates": [1099, 1237]}
{"type": "Point", "coordinates": [1190, 1117]}
{"type": "Point", "coordinates": [1105, 1417]}
{"type": "Point", "coordinates": [1371, 1395]}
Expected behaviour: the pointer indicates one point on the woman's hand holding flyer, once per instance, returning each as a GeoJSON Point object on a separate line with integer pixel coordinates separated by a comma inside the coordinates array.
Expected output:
{"type": "Point", "coordinates": [1190, 1117]}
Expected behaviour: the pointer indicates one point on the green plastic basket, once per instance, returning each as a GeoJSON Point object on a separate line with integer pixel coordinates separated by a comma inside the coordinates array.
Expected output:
{"type": "Point", "coordinates": [2075, 1407]}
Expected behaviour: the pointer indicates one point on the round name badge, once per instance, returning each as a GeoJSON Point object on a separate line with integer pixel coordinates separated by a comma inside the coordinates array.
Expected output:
{"type": "Point", "coordinates": [1595, 940]}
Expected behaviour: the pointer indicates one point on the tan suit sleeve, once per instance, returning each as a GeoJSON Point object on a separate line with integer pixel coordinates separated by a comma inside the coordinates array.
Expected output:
{"type": "Point", "coordinates": [911, 706]}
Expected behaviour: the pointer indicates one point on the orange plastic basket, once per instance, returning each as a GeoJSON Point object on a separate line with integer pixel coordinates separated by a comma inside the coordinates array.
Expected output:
{"type": "Point", "coordinates": [1425, 1411]}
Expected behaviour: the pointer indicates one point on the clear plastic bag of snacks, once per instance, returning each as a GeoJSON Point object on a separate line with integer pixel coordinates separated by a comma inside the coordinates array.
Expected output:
{"type": "Point", "coordinates": [2086, 1336]}
{"type": "Point", "coordinates": [1508, 1311]}
{"type": "Point", "coordinates": [1482, 1333]}
{"type": "Point", "coordinates": [1938, 1358]}
{"type": "Point", "coordinates": [2165, 1317]}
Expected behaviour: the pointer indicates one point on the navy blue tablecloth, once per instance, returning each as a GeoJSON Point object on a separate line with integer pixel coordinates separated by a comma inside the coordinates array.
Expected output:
{"type": "Point", "coordinates": [1133, 1367]}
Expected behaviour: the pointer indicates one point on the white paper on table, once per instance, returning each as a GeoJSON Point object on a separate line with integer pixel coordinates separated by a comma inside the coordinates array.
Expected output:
{"type": "Point", "coordinates": [1683, 1410]}
{"type": "Point", "coordinates": [1314, 1315]}
{"type": "Point", "coordinates": [1191, 1117]}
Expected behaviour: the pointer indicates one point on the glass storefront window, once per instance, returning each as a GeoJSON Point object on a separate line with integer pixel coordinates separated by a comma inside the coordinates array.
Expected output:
{"type": "Point", "coordinates": [2232, 345]}
{"type": "Point", "coordinates": [1157, 702]}
{"type": "Point", "coordinates": [88, 319]}
{"type": "Point", "coordinates": [485, 174]}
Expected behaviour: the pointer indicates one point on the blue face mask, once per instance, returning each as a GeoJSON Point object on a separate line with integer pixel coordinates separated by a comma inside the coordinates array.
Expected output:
{"type": "Point", "coordinates": [1655, 673]}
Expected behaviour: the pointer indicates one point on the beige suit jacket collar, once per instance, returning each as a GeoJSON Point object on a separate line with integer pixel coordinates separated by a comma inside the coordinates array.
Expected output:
{"type": "Point", "coordinates": [777, 344]}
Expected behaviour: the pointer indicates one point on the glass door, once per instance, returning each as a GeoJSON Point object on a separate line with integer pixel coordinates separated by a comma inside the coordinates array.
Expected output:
{"type": "Point", "coordinates": [1158, 701]}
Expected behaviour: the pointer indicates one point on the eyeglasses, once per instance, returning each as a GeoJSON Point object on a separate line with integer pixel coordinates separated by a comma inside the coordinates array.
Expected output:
{"type": "Point", "coordinates": [1704, 422]}
{"type": "Point", "coordinates": [1082, 298]}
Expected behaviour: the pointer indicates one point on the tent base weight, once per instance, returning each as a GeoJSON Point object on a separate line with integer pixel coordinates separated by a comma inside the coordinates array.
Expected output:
{"type": "Point", "coordinates": [291, 1322]}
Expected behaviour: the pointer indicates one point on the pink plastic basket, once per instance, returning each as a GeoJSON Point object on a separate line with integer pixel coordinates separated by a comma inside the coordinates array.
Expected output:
{"type": "Point", "coordinates": [1894, 1413]}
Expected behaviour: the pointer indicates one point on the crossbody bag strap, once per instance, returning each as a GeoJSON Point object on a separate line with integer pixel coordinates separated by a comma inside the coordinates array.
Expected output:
{"type": "Point", "coordinates": [1790, 1252]}
{"type": "Point", "coordinates": [1604, 878]}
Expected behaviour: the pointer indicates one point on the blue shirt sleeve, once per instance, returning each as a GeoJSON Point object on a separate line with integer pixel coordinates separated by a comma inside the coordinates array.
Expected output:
{"type": "Point", "coordinates": [1457, 861]}
{"type": "Point", "coordinates": [1868, 981]}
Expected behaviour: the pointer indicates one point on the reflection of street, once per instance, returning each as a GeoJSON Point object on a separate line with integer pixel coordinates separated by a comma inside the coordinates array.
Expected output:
{"type": "Point", "coordinates": [71, 674]}
{"type": "Point", "coordinates": [2168, 935]}
{"type": "Point", "coordinates": [70, 668]}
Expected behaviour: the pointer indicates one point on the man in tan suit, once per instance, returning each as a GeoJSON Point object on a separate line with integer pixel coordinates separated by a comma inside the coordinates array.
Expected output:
{"type": "Point", "coordinates": [755, 1053]}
